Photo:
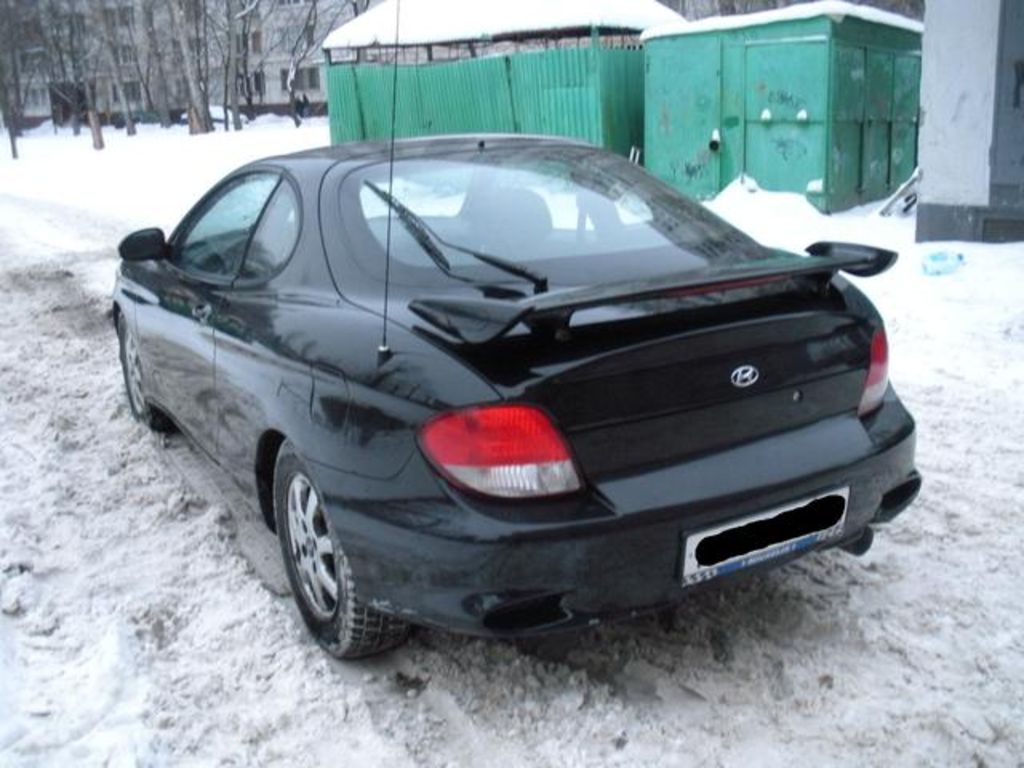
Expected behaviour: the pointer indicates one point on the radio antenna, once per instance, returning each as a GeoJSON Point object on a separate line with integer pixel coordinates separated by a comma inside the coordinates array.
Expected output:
{"type": "Point", "coordinates": [384, 351]}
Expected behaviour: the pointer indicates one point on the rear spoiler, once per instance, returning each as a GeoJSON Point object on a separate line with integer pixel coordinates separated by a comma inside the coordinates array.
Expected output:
{"type": "Point", "coordinates": [480, 320]}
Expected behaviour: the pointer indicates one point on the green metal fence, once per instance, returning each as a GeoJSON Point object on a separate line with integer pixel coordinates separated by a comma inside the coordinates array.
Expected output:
{"type": "Point", "coordinates": [826, 107]}
{"type": "Point", "coordinates": [592, 92]}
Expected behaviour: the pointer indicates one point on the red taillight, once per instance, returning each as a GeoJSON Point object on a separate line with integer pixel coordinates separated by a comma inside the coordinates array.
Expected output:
{"type": "Point", "coordinates": [513, 451]}
{"type": "Point", "coordinates": [878, 374]}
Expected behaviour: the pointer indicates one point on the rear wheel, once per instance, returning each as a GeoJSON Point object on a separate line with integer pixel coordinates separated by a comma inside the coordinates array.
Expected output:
{"type": "Point", "coordinates": [319, 571]}
{"type": "Point", "coordinates": [131, 367]}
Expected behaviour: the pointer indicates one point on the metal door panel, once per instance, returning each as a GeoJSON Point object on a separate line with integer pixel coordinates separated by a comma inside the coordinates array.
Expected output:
{"type": "Point", "coordinates": [177, 351]}
{"type": "Point", "coordinates": [875, 160]}
{"type": "Point", "coordinates": [683, 110]}
{"type": "Point", "coordinates": [785, 156]}
{"type": "Point", "coordinates": [785, 81]}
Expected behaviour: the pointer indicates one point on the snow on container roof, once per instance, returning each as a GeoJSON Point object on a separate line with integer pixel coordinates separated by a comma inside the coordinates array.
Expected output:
{"type": "Point", "coordinates": [427, 22]}
{"type": "Point", "coordinates": [836, 8]}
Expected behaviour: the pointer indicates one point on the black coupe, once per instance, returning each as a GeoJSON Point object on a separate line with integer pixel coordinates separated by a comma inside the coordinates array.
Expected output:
{"type": "Point", "coordinates": [508, 385]}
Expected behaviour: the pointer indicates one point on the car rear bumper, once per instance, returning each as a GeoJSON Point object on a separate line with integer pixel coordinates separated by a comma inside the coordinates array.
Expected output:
{"type": "Point", "coordinates": [453, 562]}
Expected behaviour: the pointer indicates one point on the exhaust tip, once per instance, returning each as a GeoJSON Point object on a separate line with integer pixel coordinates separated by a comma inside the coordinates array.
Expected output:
{"type": "Point", "coordinates": [861, 544]}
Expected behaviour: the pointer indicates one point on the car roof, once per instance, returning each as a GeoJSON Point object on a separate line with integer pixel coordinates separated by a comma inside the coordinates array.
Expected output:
{"type": "Point", "coordinates": [321, 159]}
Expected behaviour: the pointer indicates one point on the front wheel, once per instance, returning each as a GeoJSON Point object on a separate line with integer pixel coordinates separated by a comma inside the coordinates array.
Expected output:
{"type": "Point", "coordinates": [131, 367]}
{"type": "Point", "coordinates": [319, 571]}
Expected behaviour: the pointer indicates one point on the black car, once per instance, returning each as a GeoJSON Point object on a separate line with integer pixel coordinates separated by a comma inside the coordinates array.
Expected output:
{"type": "Point", "coordinates": [511, 384]}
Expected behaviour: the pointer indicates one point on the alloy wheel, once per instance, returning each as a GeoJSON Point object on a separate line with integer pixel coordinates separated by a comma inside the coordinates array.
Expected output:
{"type": "Point", "coordinates": [312, 549]}
{"type": "Point", "coordinates": [134, 371]}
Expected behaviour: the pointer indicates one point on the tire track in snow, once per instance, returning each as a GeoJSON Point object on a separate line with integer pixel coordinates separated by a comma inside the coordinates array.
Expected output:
{"type": "Point", "coordinates": [137, 633]}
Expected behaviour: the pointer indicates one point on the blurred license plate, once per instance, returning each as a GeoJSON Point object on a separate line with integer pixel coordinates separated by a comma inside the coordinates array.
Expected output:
{"type": "Point", "coordinates": [764, 536]}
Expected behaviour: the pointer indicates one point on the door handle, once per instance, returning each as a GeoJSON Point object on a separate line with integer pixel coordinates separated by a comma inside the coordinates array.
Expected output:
{"type": "Point", "coordinates": [202, 313]}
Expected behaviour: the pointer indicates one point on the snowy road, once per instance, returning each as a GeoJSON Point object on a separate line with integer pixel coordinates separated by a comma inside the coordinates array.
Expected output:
{"type": "Point", "coordinates": [142, 621]}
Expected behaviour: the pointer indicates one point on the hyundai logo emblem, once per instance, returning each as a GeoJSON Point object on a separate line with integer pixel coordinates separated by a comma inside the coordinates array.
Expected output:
{"type": "Point", "coordinates": [745, 376]}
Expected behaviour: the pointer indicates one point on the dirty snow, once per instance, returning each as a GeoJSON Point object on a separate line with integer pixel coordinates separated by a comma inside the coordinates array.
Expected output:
{"type": "Point", "coordinates": [143, 617]}
{"type": "Point", "coordinates": [838, 9]}
{"type": "Point", "coordinates": [424, 22]}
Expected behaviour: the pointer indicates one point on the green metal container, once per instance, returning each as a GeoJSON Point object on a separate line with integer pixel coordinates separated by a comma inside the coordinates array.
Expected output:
{"type": "Point", "coordinates": [591, 92]}
{"type": "Point", "coordinates": [825, 106]}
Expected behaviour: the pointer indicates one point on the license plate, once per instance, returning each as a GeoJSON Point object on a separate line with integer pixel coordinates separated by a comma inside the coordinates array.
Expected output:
{"type": "Point", "coordinates": [764, 536]}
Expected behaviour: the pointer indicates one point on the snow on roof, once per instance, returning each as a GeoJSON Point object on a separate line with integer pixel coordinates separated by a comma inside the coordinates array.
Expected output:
{"type": "Point", "coordinates": [838, 8]}
{"type": "Point", "coordinates": [425, 22]}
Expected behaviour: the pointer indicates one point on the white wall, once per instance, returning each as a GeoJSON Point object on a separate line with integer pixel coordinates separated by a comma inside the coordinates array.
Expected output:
{"type": "Point", "coordinates": [961, 40]}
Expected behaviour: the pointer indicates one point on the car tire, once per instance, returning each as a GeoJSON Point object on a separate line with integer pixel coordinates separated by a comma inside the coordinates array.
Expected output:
{"type": "Point", "coordinates": [317, 566]}
{"type": "Point", "coordinates": [131, 368]}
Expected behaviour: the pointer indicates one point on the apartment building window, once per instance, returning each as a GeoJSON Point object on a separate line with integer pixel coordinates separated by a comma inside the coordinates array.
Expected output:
{"type": "Point", "coordinates": [289, 36]}
{"type": "Point", "coordinates": [29, 29]}
{"type": "Point", "coordinates": [133, 91]}
{"type": "Point", "coordinates": [255, 42]}
{"type": "Point", "coordinates": [259, 83]}
{"type": "Point", "coordinates": [37, 98]}
{"type": "Point", "coordinates": [33, 60]}
{"type": "Point", "coordinates": [306, 79]}
{"type": "Point", "coordinates": [122, 17]}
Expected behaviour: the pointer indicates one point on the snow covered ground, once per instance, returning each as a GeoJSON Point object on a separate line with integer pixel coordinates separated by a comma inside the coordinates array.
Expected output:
{"type": "Point", "coordinates": [143, 620]}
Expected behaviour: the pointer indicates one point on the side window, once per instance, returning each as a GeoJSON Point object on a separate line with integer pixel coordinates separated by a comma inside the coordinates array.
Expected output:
{"type": "Point", "coordinates": [275, 237]}
{"type": "Point", "coordinates": [215, 243]}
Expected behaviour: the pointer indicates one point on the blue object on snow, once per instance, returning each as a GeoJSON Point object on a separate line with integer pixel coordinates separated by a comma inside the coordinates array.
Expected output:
{"type": "Point", "coordinates": [942, 262]}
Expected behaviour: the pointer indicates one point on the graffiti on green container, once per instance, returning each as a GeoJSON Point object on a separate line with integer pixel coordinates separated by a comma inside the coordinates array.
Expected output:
{"type": "Point", "coordinates": [790, 149]}
{"type": "Point", "coordinates": [787, 99]}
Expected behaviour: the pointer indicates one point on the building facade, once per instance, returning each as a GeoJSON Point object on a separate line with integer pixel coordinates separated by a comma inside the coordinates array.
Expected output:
{"type": "Point", "coordinates": [123, 54]}
{"type": "Point", "coordinates": [972, 133]}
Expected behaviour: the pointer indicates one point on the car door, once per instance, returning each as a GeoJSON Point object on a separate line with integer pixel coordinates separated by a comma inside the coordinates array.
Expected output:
{"type": "Point", "coordinates": [177, 334]}
{"type": "Point", "coordinates": [258, 374]}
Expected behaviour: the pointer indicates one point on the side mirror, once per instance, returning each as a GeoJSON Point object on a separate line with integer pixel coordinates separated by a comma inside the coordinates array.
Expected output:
{"type": "Point", "coordinates": [144, 245]}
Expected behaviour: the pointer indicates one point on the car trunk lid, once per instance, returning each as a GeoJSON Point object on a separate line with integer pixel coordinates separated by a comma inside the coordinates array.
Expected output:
{"type": "Point", "coordinates": [654, 390]}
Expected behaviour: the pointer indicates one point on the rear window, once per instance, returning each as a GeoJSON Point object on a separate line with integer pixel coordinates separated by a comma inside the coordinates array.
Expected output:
{"type": "Point", "coordinates": [575, 215]}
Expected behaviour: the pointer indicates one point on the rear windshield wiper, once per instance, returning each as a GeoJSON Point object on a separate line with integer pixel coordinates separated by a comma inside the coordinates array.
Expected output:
{"type": "Point", "coordinates": [415, 226]}
{"type": "Point", "coordinates": [540, 282]}
{"type": "Point", "coordinates": [431, 243]}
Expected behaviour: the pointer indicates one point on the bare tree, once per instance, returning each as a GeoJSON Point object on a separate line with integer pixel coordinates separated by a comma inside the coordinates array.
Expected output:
{"type": "Point", "coordinates": [231, 74]}
{"type": "Point", "coordinates": [199, 106]}
{"type": "Point", "coordinates": [305, 40]}
{"type": "Point", "coordinates": [155, 53]}
{"type": "Point", "coordinates": [255, 50]}
{"type": "Point", "coordinates": [10, 86]}
{"type": "Point", "coordinates": [90, 63]}
{"type": "Point", "coordinates": [358, 6]}
{"type": "Point", "coordinates": [106, 21]}
{"type": "Point", "coordinates": [143, 59]}
{"type": "Point", "coordinates": [22, 64]}
{"type": "Point", "coordinates": [252, 55]}
{"type": "Point", "coordinates": [8, 107]}
{"type": "Point", "coordinates": [63, 33]}
{"type": "Point", "coordinates": [224, 42]}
